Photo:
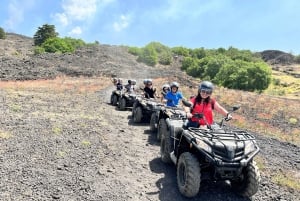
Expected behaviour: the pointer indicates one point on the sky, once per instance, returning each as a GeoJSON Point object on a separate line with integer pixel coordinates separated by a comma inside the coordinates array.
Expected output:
{"type": "Point", "coordinates": [254, 25]}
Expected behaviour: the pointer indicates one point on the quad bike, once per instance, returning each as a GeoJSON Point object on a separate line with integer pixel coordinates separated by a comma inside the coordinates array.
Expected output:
{"type": "Point", "coordinates": [114, 97]}
{"type": "Point", "coordinates": [165, 114]}
{"type": "Point", "coordinates": [126, 100]}
{"type": "Point", "coordinates": [143, 110]}
{"type": "Point", "coordinates": [214, 153]}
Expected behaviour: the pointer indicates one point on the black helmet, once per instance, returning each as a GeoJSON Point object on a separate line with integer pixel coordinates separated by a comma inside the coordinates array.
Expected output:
{"type": "Point", "coordinates": [174, 84]}
{"type": "Point", "coordinates": [129, 81]}
{"type": "Point", "coordinates": [207, 86]}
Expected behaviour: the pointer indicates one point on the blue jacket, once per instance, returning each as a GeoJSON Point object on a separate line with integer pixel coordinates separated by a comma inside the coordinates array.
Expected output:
{"type": "Point", "coordinates": [173, 98]}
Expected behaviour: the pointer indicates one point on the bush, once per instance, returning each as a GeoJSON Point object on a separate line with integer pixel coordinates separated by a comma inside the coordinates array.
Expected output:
{"type": "Point", "coordinates": [297, 59]}
{"type": "Point", "coordinates": [39, 50]}
{"type": "Point", "coordinates": [57, 45]}
{"type": "Point", "coordinates": [182, 51]}
{"type": "Point", "coordinates": [135, 51]}
{"type": "Point", "coordinates": [75, 43]}
{"type": "Point", "coordinates": [244, 75]}
{"type": "Point", "coordinates": [148, 56]}
{"type": "Point", "coordinates": [2, 33]}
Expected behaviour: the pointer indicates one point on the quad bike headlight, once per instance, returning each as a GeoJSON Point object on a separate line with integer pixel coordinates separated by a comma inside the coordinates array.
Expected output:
{"type": "Point", "coordinates": [203, 146]}
{"type": "Point", "coordinates": [249, 147]}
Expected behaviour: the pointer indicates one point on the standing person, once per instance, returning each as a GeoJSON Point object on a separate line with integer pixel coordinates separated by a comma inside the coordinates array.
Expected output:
{"type": "Point", "coordinates": [173, 97]}
{"type": "Point", "coordinates": [149, 91]}
{"type": "Point", "coordinates": [165, 90]}
{"type": "Point", "coordinates": [204, 104]}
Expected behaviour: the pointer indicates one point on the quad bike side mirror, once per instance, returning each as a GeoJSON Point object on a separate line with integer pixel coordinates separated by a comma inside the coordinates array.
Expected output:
{"type": "Point", "coordinates": [187, 103]}
{"type": "Point", "coordinates": [236, 107]}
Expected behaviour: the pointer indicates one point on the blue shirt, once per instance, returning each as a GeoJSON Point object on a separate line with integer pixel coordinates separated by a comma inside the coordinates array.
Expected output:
{"type": "Point", "coordinates": [173, 98]}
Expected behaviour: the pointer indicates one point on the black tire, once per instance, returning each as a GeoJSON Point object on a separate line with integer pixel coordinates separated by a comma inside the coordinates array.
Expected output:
{"type": "Point", "coordinates": [162, 127]}
{"type": "Point", "coordinates": [248, 184]}
{"type": "Point", "coordinates": [138, 115]}
{"type": "Point", "coordinates": [122, 104]}
{"type": "Point", "coordinates": [165, 147]}
{"type": "Point", "coordinates": [188, 175]}
{"type": "Point", "coordinates": [153, 126]}
{"type": "Point", "coordinates": [114, 99]}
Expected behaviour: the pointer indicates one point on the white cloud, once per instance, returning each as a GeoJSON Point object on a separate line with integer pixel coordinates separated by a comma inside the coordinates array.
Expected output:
{"type": "Point", "coordinates": [75, 31]}
{"type": "Point", "coordinates": [62, 18]}
{"type": "Point", "coordinates": [16, 10]}
{"type": "Point", "coordinates": [79, 10]}
{"type": "Point", "coordinates": [122, 23]}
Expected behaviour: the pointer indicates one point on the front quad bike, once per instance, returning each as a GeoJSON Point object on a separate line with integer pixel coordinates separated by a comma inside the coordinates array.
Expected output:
{"type": "Point", "coordinates": [167, 116]}
{"type": "Point", "coordinates": [143, 108]}
{"type": "Point", "coordinates": [114, 97]}
{"type": "Point", "coordinates": [126, 100]}
{"type": "Point", "coordinates": [217, 153]}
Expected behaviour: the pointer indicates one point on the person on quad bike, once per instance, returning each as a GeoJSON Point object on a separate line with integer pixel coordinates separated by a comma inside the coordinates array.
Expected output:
{"type": "Point", "coordinates": [130, 87]}
{"type": "Point", "coordinates": [165, 90]}
{"type": "Point", "coordinates": [173, 97]}
{"type": "Point", "coordinates": [149, 91]}
{"type": "Point", "coordinates": [202, 103]}
{"type": "Point", "coordinates": [119, 84]}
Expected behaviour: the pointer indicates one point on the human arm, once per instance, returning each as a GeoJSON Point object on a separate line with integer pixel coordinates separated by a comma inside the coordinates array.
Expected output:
{"type": "Point", "coordinates": [222, 110]}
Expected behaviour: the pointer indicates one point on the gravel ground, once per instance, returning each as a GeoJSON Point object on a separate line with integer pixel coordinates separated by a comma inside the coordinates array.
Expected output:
{"type": "Point", "coordinates": [72, 145]}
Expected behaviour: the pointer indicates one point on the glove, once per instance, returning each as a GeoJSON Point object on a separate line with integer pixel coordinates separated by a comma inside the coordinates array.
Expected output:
{"type": "Point", "coordinates": [228, 117]}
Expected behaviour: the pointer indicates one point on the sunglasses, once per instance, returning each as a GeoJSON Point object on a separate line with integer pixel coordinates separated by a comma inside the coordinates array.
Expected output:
{"type": "Point", "coordinates": [203, 91]}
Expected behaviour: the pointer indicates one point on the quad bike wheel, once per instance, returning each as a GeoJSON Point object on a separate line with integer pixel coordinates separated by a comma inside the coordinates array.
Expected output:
{"type": "Point", "coordinates": [114, 100]}
{"type": "Point", "coordinates": [162, 128]}
{"type": "Point", "coordinates": [122, 104]}
{"type": "Point", "coordinates": [247, 185]}
{"type": "Point", "coordinates": [188, 175]}
{"type": "Point", "coordinates": [165, 147]}
{"type": "Point", "coordinates": [153, 126]}
{"type": "Point", "coordinates": [138, 115]}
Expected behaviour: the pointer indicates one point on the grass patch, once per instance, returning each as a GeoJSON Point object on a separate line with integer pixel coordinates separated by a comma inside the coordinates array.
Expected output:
{"type": "Point", "coordinates": [5, 135]}
{"type": "Point", "coordinates": [85, 143]}
{"type": "Point", "coordinates": [289, 179]}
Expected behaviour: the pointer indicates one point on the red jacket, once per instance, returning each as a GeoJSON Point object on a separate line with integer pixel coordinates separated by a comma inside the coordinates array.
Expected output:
{"type": "Point", "coordinates": [206, 109]}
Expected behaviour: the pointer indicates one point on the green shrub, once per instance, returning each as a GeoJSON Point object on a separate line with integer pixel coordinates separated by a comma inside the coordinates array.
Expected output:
{"type": "Point", "coordinates": [135, 51]}
{"type": "Point", "coordinates": [2, 33]}
{"type": "Point", "coordinates": [58, 45]}
{"type": "Point", "coordinates": [180, 51]}
{"type": "Point", "coordinates": [39, 50]}
{"type": "Point", "coordinates": [148, 56]}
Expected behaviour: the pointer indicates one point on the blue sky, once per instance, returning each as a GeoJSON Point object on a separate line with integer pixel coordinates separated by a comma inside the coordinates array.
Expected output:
{"type": "Point", "coordinates": [256, 25]}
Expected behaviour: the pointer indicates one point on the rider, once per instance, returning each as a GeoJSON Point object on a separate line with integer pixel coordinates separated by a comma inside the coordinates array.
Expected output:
{"type": "Point", "coordinates": [202, 103]}
{"type": "Point", "coordinates": [165, 90]}
{"type": "Point", "coordinates": [130, 86]}
{"type": "Point", "coordinates": [173, 97]}
{"type": "Point", "coordinates": [149, 91]}
{"type": "Point", "coordinates": [119, 84]}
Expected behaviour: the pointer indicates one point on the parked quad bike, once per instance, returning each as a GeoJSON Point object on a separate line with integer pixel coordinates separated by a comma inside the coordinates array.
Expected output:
{"type": "Point", "coordinates": [216, 153]}
{"type": "Point", "coordinates": [114, 97]}
{"type": "Point", "coordinates": [126, 100]}
{"type": "Point", "coordinates": [144, 109]}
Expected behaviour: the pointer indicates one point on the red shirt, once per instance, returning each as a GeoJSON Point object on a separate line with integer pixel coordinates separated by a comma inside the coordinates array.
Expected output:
{"type": "Point", "coordinates": [206, 109]}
